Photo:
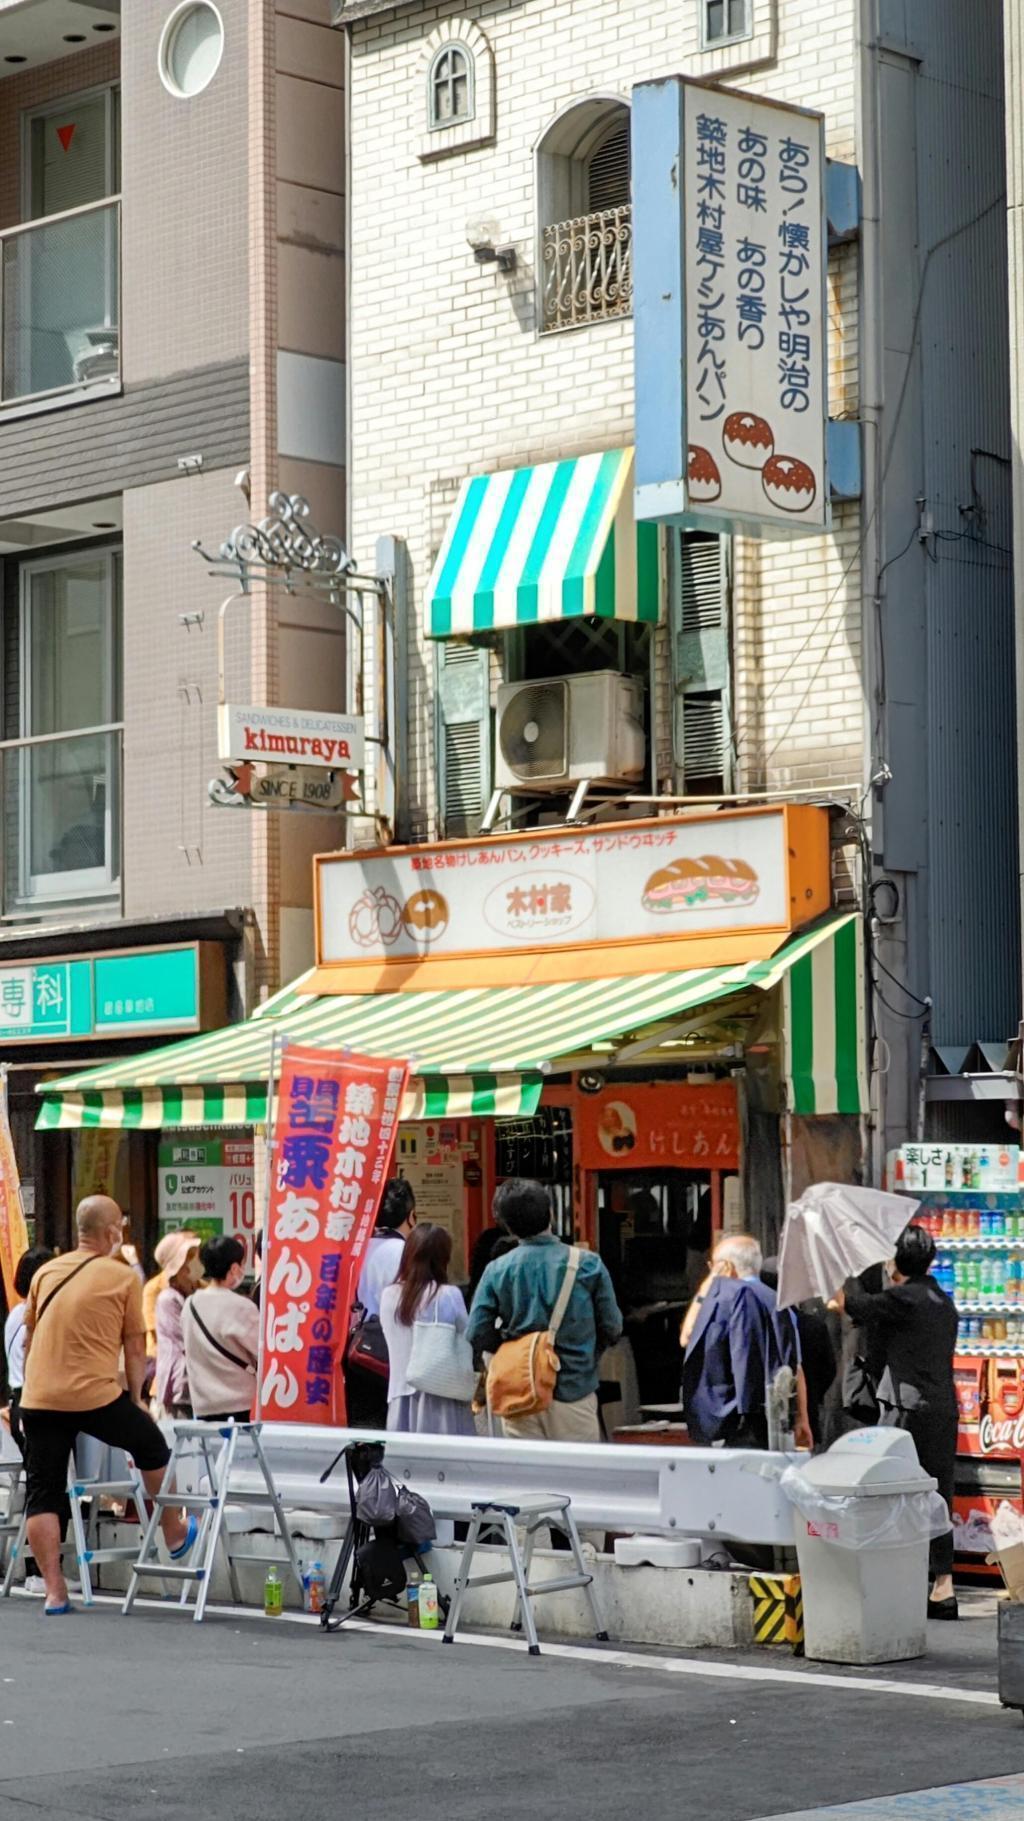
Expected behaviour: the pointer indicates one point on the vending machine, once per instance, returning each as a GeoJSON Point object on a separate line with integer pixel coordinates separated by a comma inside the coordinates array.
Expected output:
{"type": "Point", "coordinates": [972, 1202]}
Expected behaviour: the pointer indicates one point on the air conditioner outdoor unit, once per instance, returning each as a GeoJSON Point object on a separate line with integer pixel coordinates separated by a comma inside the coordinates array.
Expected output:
{"type": "Point", "coordinates": [559, 731]}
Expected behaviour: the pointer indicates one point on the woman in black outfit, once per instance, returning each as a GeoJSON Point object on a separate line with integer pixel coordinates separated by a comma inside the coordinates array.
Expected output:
{"type": "Point", "coordinates": [911, 1331]}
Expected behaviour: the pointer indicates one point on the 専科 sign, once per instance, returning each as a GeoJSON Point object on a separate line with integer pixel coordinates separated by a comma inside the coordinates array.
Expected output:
{"type": "Point", "coordinates": [290, 736]}
{"type": "Point", "coordinates": [101, 995]}
{"type": "Point", "coordinates": [730, 267]}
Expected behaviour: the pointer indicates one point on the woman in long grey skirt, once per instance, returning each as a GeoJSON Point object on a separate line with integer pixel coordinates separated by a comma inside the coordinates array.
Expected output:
{"type": "Point", "coordinates": [421, 1291]}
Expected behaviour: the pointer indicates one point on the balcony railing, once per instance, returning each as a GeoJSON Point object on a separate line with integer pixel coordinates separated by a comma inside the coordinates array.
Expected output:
{"type": "Point", "coordinates": [60, 304]}
{"type": "Point", "coordinates": [61, 796]}
{"type": "Point", "coordinates": [588, 269]}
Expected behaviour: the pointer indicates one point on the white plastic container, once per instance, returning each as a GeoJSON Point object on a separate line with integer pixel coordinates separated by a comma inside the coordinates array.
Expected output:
{"type": "Point", "coordinates": [864, 1514]}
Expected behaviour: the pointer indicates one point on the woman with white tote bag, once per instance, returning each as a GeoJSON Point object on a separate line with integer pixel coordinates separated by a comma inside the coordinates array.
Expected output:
{"type": "Point", "coordinates": [424, 1321]}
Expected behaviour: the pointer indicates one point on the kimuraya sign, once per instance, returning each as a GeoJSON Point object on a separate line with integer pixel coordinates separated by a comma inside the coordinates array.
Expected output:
{"type": "Point", "coordinates": [617, 883]}
{"type": "Point", "coordinates": [730, 248]}
{"type": "Point", "coordinates": [290, 736]}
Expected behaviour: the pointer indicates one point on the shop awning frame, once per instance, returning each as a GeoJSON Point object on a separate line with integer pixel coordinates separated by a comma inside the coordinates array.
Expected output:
{"type": "Point", "coordinates": [486, 1050]}
{"type": "Point", "coordinates": [553, 542]}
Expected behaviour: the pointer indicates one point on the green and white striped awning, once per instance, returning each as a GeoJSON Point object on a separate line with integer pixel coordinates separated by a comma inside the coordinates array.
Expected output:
{"type": "Point", "coordinates": [547, 543]}
{"type": "Point", "coordinates": [475, 1050]}
{"type": "Point", "coordinates": [825, 1025]}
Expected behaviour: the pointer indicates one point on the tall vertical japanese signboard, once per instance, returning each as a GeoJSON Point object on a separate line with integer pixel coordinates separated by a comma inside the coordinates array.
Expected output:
{"type": "Point", "coordinates": [334, 1136]}
{"type": "Point", "coordinates": [730, 263]}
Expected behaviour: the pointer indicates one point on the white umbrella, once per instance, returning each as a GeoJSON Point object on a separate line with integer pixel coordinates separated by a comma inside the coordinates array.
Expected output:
{"type": "Point", "coordinates": [834, 1232]}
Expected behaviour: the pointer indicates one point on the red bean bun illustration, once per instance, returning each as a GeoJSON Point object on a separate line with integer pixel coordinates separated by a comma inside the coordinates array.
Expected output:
{"type": "Point", "coordinates": [426, 914]}
{"type": "Point", "coordinates": [703, 481]}
{"type": "Point", "coordinates": [747, 440]}
{"type": "Point", "coordinates": [789, 483]}
{"type": "Point", "coordinates": [689, 884]}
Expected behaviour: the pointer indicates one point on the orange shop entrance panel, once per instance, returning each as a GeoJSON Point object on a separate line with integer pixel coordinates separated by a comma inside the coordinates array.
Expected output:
{"type": "Point", "coordinates": [658, 1125]}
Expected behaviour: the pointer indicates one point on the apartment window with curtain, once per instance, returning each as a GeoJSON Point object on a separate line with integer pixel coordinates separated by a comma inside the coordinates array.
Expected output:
{"type": "Point", "coordinates": [62, 797]}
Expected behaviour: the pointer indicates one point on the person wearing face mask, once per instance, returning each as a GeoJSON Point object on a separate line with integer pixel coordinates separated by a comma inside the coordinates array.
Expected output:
{"type": "Point", "coordinates": [184, 1274]}
{"type": "Point", "coordinates": [83, 1310]}
{"type": "Point", "coordinates": [222, 1336]}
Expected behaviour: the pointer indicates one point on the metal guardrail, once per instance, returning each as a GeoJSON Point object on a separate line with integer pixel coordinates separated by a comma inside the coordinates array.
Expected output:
{"type": "Point", "coordinates": [708, 1492]}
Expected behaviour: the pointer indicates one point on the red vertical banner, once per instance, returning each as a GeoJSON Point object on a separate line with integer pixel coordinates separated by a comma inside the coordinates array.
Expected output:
{"type": "Point", "coordinates": [334, 1136]}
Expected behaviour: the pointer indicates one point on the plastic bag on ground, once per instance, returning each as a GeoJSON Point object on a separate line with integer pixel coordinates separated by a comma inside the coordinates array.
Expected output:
{"type": "Point", "coordinates": [852, 1521]}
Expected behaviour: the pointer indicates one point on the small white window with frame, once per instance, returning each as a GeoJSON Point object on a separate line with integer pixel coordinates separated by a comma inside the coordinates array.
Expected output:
{"type": "Point", "coordinates": [66, 770]}
{"type": "Point", "coordinates": [451, 87]}
{"type": "Point", "coordinates": [457, 71]}
{"type": "Point", "coordinates": [725, 22]}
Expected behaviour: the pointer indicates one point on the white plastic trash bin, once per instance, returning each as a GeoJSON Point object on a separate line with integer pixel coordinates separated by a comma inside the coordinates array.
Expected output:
{"type": "Point", "coordinates": [865, 1513]}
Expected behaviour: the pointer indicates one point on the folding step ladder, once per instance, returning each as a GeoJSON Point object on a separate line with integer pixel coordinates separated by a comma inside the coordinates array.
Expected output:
{"type": "Point", "coordinates": [13, 1522]}
{"type": "Point", "coordinates": [207, 1451]}
{"type": "Point", "coordinates": [85, 1539]}
{"type": "Point", "coordinates": [504, 1518]}
{"type": "Point", "coordinates": [85, 1531]}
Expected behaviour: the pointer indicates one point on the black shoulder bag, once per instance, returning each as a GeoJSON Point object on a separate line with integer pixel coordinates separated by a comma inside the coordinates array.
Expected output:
{"type": "Point", "coordinates": [217, 1345]}
{"type": "Point", "coordinates": [64, 1280]}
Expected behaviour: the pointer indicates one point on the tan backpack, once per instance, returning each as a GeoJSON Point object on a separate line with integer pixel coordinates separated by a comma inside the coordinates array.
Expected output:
{"type": "Point", "coordinates": [521, 1376]}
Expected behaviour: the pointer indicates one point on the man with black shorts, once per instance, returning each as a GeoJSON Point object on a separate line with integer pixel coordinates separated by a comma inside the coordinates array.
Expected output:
{"type": "Point", "coordinates": [72, 1383]}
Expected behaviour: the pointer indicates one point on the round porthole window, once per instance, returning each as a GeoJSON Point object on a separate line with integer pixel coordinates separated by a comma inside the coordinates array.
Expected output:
{"type": "Point", "coordinates": [191, 47]}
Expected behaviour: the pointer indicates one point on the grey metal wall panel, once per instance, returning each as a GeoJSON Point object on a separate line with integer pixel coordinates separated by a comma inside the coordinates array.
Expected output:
{"type": "Point", "coordinates": [84, 451]}
{"type": "Point", "coordinates": [962, 348]}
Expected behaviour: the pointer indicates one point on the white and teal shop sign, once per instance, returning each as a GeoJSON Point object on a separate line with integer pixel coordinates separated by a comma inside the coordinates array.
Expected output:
{"type": "Point", "coordinates": [124, 994]}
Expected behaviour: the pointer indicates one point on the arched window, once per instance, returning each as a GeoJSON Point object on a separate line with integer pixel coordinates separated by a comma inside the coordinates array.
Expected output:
{"type": "Point", "coordinates": [451, 86]}
{"type": "Point", "coordinates": [608, 171]}
{"type": "Point", "coordinates": [583, 178]}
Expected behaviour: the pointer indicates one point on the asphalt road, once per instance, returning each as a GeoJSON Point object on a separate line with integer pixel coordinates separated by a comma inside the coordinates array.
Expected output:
{"type": "Point", "coordinates": [158, 1719]}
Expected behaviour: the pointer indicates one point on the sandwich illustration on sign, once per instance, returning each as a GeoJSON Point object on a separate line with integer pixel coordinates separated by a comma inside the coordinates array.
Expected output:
{"type": "Point", "coordinates": [691, 884]}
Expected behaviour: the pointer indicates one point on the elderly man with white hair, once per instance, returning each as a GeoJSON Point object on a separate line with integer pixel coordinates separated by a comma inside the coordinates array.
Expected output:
{"type": "Point", "coordinates": [736, 1339]}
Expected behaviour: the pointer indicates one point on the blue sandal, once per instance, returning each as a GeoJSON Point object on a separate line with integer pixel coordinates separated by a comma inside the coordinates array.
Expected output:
{"type": "Point", "coordinates": [190, 1536]}
{"type": "Point", "coordinates": [58, 1612]}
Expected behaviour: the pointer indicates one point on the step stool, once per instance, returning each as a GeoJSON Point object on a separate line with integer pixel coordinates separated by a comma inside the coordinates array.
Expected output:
{"type": "Point", "coordinates": [12, 1524]}
{"type": "Point", "coordinates": [534, 1512]}
{"type": "Point", "coordinates": [211, 1448]}
{"type": "Point", "coordinates": [84, 1540]}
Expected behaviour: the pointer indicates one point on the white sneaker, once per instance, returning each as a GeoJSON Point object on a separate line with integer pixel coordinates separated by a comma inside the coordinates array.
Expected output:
{"type": "Point", "coordinates": [34, 1583]}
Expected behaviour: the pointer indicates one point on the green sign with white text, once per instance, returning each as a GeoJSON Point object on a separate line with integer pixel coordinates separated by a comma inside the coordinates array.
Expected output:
{"type": "Point", "coordinates": [101, 995]}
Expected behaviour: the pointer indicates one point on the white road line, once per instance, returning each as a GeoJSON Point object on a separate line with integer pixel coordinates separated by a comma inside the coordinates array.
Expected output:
{"type": "Point", "coordinates": [599, 1655]}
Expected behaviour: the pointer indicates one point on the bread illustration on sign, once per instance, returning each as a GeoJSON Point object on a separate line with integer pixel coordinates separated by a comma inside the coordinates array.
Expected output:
{"type": "Point", "coordinates": [375, 917]}
{"type": "Point", "coordinates": [425, 915]}
{"type": "Point", "coordinates": [789, 483]}
{"type": "Point", "coordinates": [747, 440]}
{"type": "Point", "coordinates": [692, 884]}
{"type": "Point", "coordinates": [703, 481]}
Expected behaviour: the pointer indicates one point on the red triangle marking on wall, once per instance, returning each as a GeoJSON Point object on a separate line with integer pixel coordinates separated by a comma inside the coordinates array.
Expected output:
{"type": "Point", "coordinates": [66, 133]}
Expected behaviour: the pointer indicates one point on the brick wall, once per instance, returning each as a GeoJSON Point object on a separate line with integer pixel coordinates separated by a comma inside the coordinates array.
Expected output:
{"type": "Point", "coordinates": [449, 377]}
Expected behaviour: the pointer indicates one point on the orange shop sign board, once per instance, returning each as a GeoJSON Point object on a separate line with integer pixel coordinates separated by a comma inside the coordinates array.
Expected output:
{"type": "Point", "coordinates": [570, 888]}
{"type": "Point", "coordinates": [658, 1125]}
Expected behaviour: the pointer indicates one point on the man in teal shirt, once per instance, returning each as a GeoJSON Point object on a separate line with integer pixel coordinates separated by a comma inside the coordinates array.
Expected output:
{"type": "Point", "coordinates": [517, 1295]}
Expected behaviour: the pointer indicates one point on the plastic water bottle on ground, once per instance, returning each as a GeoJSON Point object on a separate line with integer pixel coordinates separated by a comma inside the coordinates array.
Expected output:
{"type": "Point", "coordinates": [273, 1594]}
{"type": "Point", "coordinates": [428, 1604]}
